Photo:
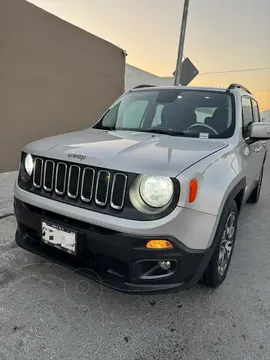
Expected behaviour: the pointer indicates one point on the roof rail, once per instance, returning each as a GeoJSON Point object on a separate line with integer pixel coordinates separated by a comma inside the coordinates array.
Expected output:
{"type": "Point", "coordinates": [143, 86]}
{"type": "Point", "coordinates": [238, 86]}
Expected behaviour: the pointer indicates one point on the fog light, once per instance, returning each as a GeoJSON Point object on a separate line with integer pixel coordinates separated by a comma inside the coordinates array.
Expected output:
{"type": "Point", "coordinates": [165, 265]}
{"type": "Point", "coordinates": [159, 244]}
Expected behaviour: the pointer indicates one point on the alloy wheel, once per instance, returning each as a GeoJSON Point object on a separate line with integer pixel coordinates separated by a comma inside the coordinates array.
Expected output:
{"type": "Point", "coordinates": [226, 245]}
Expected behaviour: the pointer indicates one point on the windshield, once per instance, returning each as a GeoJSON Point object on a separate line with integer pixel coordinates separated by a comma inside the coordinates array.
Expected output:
{"type": "Point", "coordinates": [179, 112]}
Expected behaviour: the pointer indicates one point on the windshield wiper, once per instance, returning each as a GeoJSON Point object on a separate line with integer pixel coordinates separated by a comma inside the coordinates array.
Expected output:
{"type": "Point", "coordinates": [109, 128]}
{"type": "Point", "coordinates": [150, 130]}
{"type": "Point", "coordinates": [165, 132]}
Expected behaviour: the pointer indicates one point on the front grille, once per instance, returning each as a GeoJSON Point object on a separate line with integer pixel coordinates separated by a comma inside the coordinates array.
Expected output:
{"type": "Point", "coordinates": [48, 176]}
{"type": "Point", "coordinates": [101, 193]}
{"type": "Point", "coordinates": [118, 195]}
{"type": "Point", "coordinates": [80, 183]}
{"type": "Point", "coordinates": [73, 182]}
{"type": "Point", "coordinates": [60, 178]}
{"type": "Point", "coordinates": [87, 184]}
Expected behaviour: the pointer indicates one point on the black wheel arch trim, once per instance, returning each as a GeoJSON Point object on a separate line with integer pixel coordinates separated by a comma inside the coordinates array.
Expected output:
{"type": "Point", "coordinates": [265, 156]}
{"type": "Point", "coordinates": [240, 186]}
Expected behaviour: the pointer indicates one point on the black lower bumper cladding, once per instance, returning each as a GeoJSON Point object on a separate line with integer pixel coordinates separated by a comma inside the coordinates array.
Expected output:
{"type": "Point", "coordinates": [117, 260]}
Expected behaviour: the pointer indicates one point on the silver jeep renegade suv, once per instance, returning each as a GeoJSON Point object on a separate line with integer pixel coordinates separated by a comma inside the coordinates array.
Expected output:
{"type": "Point", "coordinates": [148, 197]}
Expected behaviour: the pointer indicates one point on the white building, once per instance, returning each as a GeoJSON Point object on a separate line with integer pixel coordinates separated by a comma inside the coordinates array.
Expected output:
{"type": "Point", "coordinates": [265, 115]}
{"type": "Point", "coordinates": [135, 77]}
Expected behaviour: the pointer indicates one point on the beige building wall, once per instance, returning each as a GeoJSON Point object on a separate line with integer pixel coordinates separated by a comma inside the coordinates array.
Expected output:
{"type": "Point", "coordinates": [54, 77]}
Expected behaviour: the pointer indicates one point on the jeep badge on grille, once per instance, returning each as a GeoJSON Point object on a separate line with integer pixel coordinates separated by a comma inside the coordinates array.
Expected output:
{"type": "Point", "coordinates": [76, 155]}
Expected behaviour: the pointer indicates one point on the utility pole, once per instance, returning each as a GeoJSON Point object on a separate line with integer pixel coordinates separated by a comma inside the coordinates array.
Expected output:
{"type": "Point", "coordinates": [181, 44]}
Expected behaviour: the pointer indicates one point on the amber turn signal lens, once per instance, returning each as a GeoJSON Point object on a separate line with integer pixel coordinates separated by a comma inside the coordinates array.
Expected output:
{"type": "Point", "coordinates": [193, 189]}
{"type": "Point", "coordinates": [159, 244]}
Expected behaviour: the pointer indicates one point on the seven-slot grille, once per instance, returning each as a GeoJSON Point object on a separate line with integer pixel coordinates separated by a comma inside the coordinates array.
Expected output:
{"type": "Point", "coordinates": [80, 182]}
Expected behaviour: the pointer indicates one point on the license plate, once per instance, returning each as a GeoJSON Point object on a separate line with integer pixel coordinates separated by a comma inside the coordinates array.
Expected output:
{"type": "Point", "coordinates": [59, 237]}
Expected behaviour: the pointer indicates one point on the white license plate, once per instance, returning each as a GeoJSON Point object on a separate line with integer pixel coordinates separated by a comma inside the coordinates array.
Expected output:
{"type": "Point", "coordinates": [59, 237]}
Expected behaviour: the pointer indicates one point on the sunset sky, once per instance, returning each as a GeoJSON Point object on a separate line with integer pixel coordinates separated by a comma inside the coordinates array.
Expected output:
{"type": "Point", "coordinates": [221, 36]}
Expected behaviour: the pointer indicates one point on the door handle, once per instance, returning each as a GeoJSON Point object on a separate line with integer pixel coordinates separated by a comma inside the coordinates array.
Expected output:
{"type": "Point", "coordinates": [258, 148]}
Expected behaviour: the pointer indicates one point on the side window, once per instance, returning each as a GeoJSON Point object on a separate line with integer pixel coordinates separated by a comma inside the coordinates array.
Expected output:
{"type": "Point", "coordinates": [256, 112]}
{"type": "Point", "coordinates": [134, 114]}
{"type": "Point", "coordinates": [247, 116]}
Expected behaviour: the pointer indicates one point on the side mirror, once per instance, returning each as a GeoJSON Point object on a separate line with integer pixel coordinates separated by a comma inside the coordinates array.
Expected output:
{"type": "Point", "coordinates": [260, 131]}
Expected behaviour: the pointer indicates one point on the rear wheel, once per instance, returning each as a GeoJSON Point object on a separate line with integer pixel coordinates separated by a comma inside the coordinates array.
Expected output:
{"type": "Point", "coordinates": [255, 195]}
{"type": "Point", "coordinates": [218, 266]}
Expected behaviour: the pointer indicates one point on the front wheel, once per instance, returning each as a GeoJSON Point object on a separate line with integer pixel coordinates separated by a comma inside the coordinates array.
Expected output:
{"type": "Point", "coordinates": [218, 266]}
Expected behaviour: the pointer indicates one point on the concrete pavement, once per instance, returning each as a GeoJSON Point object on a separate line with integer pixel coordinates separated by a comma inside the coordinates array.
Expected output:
{"type": "Point", "coordinates": [49, 312]}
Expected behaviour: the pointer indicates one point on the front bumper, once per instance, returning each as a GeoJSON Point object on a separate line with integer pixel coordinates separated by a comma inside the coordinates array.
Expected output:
{"type": "Point", "coordinates": [193, 229]}
{"type": "Point", "coordinates": [110, 257]}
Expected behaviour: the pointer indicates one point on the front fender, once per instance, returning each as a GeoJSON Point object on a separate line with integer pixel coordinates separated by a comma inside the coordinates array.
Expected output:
{"type": "Point", "coordinates": [220, 177]}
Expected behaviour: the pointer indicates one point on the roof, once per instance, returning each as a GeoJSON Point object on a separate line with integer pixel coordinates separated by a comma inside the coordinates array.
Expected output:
{"type": "Point", "coordinates": [153, 87]}
{"type": "Point", "coordinates": [232, 87]}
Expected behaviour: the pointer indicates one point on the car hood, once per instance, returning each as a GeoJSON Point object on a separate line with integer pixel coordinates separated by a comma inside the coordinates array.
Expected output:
{"type": "Point", "coordinates": [128, 150]}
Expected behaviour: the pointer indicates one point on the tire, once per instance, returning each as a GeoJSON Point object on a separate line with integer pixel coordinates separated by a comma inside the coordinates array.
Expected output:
{"type": "Point", "coordinates": [219, 263]}
{"type": "Point", "coordinates": [255, 195]}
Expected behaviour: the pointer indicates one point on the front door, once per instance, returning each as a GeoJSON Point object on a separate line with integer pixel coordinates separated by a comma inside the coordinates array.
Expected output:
{"type": "Point", "coordinates": [250, 151]}
{"type": "Point", "coordinates": [260, 146]}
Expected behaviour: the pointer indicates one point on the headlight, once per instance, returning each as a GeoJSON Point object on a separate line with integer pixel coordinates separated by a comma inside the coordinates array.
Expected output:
{"type": "Point", "coordinates": [156, 191]}
{"type": "Point", "coordinates": [28, 164]}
